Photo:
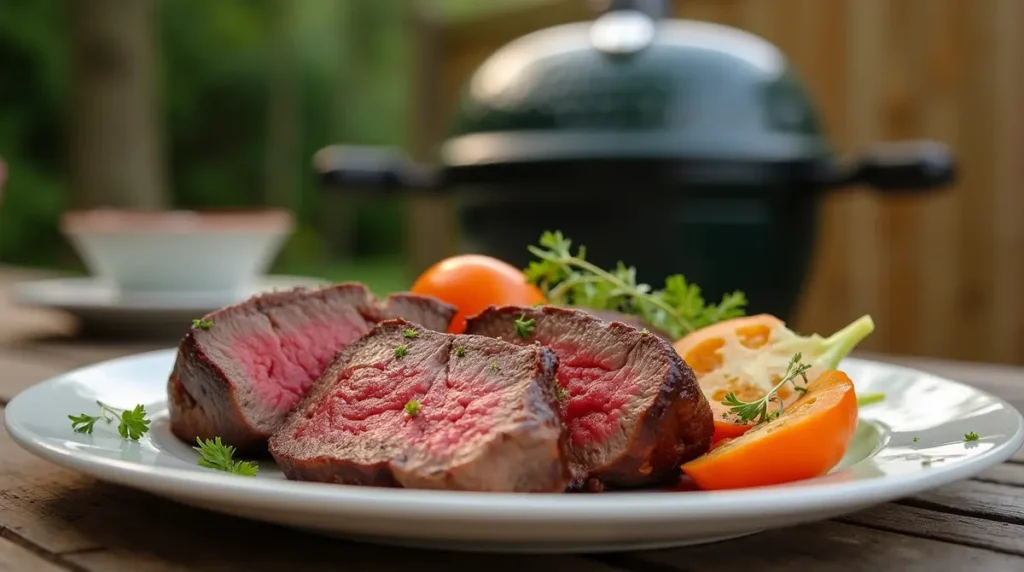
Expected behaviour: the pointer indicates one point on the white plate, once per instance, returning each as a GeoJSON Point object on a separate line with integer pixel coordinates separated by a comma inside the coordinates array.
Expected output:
{"type": "Point", "coordinates": [884, 464]}
{"type": "Point", "coordinates": [101, 307]}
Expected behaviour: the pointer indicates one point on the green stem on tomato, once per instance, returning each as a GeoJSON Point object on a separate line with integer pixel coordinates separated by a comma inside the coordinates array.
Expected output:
{"type": "Point", "coordinates": [842, 342]}
{"type": "Point", "coordinates": [869, 398]}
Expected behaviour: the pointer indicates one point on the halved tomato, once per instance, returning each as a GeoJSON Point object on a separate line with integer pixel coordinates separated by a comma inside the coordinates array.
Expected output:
{"type": "Point", "coordinates": [748, 356]}
{"type": "Point", "coordinates": [806, 441]}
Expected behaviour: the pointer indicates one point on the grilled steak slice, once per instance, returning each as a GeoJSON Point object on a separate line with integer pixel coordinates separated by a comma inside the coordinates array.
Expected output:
{"type": "Point", "coordinates": [634, 411]}
{"type": "Point", "coordinates": [407, 407]}
{"type": "Point", "coordinates": [629, 320]}
{"type": "Point", "coordinates": [240, 377]}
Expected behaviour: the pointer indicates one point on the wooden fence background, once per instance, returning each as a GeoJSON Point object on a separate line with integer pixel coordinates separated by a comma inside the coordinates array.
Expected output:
{"type": "Point", "coordinates": [943, 274]}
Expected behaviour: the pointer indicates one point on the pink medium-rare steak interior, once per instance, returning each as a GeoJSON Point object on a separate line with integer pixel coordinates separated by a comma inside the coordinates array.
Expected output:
{"type": "Point", "coordinates": [444, 411]}
{"type": "Point", "coordinates": [239, 377]}
{"type": "Point", "coordinates": [284, 359]}
{"type": "Point", "coordinates": [634, 411]}
{"type": "Point", "coordinates": [598, 389]}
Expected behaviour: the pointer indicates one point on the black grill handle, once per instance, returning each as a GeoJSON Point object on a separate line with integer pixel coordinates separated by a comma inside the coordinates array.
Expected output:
{"type": "Point", "coordinates": [898, 167]}
{"type": "Point", "coordinates": [356, 168]}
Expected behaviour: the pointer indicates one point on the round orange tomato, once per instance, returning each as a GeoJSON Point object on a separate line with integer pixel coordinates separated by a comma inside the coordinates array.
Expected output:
{"type": "Point", "coordinates": [472, 282]}
{"type": "Point", "coordinates": [717, 376]}
{"type": "Point", "coordinates": [806, 441]}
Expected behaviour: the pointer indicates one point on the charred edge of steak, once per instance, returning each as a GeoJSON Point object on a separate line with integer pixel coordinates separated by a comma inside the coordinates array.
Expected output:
{"type": "Point", "coordinates": [327, 468]}
{"type": "Point", "coordinates": [676, 426]}
{"type": "Point", "coordinates": [191, 405]}
{"type": "Point", "coordinates": [202, 403]}
{"type": "Point", "coordinates": [427, 311]}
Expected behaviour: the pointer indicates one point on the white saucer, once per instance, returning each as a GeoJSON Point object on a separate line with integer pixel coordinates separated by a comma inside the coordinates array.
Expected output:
{"type": "Point", "coordinates": [910, 442]}
{"type": "Point", "coordinates": [103, 309]}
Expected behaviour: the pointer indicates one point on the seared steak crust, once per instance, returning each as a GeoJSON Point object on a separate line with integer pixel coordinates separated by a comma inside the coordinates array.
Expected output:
{"type": "Point", "coordinates": [634, 411]}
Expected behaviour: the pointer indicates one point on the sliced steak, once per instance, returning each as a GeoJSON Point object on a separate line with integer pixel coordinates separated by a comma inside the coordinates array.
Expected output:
{"type": "Point", "coordinates": [634, 411]}
{"type": "Point", "coordinates": [408, 407]}
{"type": "Point", "coordinates": [240, 377]}
{"type": "Point", "coordinates": [629, 320]}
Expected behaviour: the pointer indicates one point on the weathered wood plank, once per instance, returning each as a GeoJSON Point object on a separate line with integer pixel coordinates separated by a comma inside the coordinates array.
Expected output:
{"type": "Point", "coordinates": [1011, 474]}
{"type": "Point", "coordinates": [823, 546]}
{"type": "Point", "coordinates": [938, 229]}
{"type": "Point", "coordinates": [14, 558]}
{"type": "Point", "coordinates": [823, 30]}
{"type": "Point", "coordinates": [18, 322]}
{"type": "Point", "coordinates": [74, 353]}
{"type": "Point", "coordinates": [1018, 457]}
{"type": "Point", "coordinates": [1007, 61]}
{"type": "Point", "coordinates": [966, 530]}
{"type": "Point", "coordinates": [19, 371]}
{"type": "Point", "coordinates": [103, 527]}
{"type": "Point", "coordinates": [865, 51]}
{"type": "Point", "coordinates": [900, 90]}
{"type": "Point", "coordinates": [975, 498]}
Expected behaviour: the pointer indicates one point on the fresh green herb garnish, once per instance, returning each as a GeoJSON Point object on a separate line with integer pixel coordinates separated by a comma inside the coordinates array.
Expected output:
{"type": "Point", "coordinates": [748, 411]}
{"type": "Point", "coordinates": [412, 408]}
{"type": "Point", "coordinates": [560, 392]}
{"type": "Point", "coordinates": [460, 351]}
{"type": "Point", "coordinates": [216, 455]}
{"type": "Point", "coordinates": [916, 439]}
{"type": "Point", "coordinates": [568, 279]}
{"type": "Point", "coordinates": [203, 324]}
{"type": "Point", "coordinates": [411, 333]}
{"type": "Point", "coordinates": [869, 398]}
{"type": "Point", "coordinates": [83, 423]}
{"type": "Point", "coordinates": [972, 436]}
{"type": "Point", "coordinates": [494, 365]}
{"type": "Point", "coordinates": [400, 351]}
{"type": "Point", "coordinates": [132, 424]}
{"type": "Point", "coordinates": [524, 327]}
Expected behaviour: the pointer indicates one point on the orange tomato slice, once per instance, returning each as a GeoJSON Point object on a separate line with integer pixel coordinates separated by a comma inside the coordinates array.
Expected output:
{"type": "Point", "coordinates": [748, 356]}
{"type": "Point", "coordinates": [806, 441]}
{"type": "Point", "coordinates": [702, 351]}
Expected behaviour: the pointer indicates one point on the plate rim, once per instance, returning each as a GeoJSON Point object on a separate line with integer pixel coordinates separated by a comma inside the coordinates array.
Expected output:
{"type": "Point", "coordinates": [431, 505]}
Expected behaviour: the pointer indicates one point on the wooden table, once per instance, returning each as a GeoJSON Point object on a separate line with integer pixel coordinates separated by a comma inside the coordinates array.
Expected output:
{"type": "Point", "coordinates": [54, 519]}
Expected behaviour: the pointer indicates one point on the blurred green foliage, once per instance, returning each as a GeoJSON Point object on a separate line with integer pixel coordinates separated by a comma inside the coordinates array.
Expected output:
{"type": "Point", "coordinates": [353, 79]}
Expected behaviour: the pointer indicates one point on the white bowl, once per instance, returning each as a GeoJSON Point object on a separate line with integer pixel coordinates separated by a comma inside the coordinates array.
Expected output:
{"type": "Point", "coordinates": [177, 251]}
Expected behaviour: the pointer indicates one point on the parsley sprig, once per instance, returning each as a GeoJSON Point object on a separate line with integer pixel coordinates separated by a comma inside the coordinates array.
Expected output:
{"type": "Point", "coordinates": [132, 423]}
{"type": "Point", "coordinates": [569, 279]}
{"type": "Point", "coordinates": [202, 324]}
{"type": "Point", "coordinates": [216, 455]}
{"type": "Point", "coordinates": [748, 411]}
{"type": "Point", "coordinates": [524, 327]}
{"type": "Point", "coordinates": [560, 393]}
